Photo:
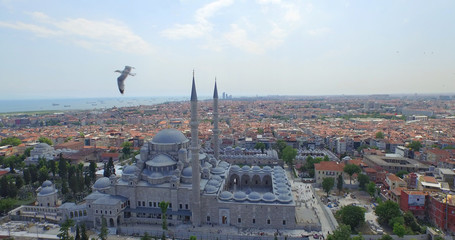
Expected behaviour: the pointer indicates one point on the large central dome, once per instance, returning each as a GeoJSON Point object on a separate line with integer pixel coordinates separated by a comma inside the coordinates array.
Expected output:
{"type": "Point", "coordinates": [169, 136]}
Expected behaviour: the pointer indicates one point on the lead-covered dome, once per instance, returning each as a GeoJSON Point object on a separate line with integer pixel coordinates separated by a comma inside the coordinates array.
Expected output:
{"type": "Point", "coordinates": [225, 195]}
{"type": "Point", "coordinates": [130, 170]}
{"type": "Point", "coordinates": [169, 136]}
{"type": "Point", "coordinates": [102, 183]}
{"type": "Point", "coordinates": [161, 160]}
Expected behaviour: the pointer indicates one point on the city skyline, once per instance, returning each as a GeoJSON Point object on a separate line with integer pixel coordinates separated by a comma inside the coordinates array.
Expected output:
{"type": "Point", "coordinates": [264, 47]}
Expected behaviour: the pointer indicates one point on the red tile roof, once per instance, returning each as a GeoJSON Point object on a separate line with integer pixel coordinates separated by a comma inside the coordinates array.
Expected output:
{"type": "Point", "coordinates": [329, 166]}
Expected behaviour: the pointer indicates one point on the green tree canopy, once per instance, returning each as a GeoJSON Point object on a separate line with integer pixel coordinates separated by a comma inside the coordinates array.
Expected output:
{"type": "Point", "coordinates": [103, 231]}
{"type": "Point", "coordinates": [387, 210]}
{"type": "Point", "coordinates": [379, 135]}
{"type": "Point", "coordinates": [340, 182]}
{"type": "Point", "coordinates": [415, 145]}
{"type": "Point", "coordinates": [164, 205]}
{"type": "Point", "coordinates": [352, 215]}
{"type": "Point", "coordinates": [279, 146]}
{"type": "Point", "coordinates": [371, 189]}
{"type": "Point", "coordinates": [401, 173]}
{"type": "Point", "coordinates": [126, 149]}
{"type": "Point", "coordinates": [327, 184]}
{"type": "Point", "coordinates": [260, 145]}
{"type": "Point", "coordinates": [14, 141]}
{"type": "Point", "coordinates": [399, 229]}
{"type": "Point", "coordinates": [363, 180]}
{"type": "Point", "coordinates": [45, 140]}
{"type": "Point", "coordinates": [289, 154]}
{"type": "Point", "coordinates": [343, 232]}
{"type": "Point", "coordinates": [64, 230]}
{"type": "Point", "coordinates": [350, 169]}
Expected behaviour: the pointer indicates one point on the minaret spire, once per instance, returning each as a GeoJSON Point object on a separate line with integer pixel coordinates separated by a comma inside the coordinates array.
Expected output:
{"type": "Point", "coordinates": [216, 131]}
{"type": "Point", "coordinates": [195, 164]}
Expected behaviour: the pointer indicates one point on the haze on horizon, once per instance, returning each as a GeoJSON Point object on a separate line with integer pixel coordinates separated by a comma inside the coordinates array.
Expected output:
{"type": "Point", "coordinates": [60, 49]}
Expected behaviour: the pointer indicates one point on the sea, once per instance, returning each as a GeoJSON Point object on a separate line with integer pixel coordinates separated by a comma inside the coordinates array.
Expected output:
{"type": "Point", "coordinates": [36, 105]}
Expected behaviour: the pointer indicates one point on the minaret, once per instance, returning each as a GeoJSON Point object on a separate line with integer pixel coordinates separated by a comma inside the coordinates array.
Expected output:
{"type": "Point", "coordinates": [195, 165]}
{"type": "Point", "coordinates": [216, 131]}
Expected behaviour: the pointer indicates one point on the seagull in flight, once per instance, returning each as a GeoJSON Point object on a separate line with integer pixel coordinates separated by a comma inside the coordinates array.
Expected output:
{"type": "Point", "coordinates": [122, 77]}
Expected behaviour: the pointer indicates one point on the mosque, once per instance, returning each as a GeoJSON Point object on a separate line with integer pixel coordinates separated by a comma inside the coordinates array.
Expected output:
{"type": "Point", "coordinates": [200, 188]}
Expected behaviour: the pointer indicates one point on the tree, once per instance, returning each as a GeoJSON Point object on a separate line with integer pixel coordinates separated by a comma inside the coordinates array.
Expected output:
{"type": "Point", "coordinates": [387, 210]}
{"type": "Point", "coordinates": [84, 235]}
{"type": "Point", "coordinates": [371, 189]}
{"type": "Point", "coordinates": [45, 140]}
{"type": "Point", "coordinates": [51, 166]}
{"type": "Point", "coordinates": [288, 155]}
{"type": "Point", "coordinates": [27, 152]}
{"type": "Point", "coordinates": [386, 237]}
{"type": "Point", "coordinates": [350, 169]}
{"type": "Point", "coordinates": [33, 173]}
{"type": "Point", "coordinates": [64, 230]}
{"type": "Point", "coordinates": [193, 238]}
{"type": "Point", "coordinates": [415, 145]}
{"type": "Point", "coordinates": [309, 164]}
{"type": "Point", "coordinates": [327, 184]}
{"type": "Point", "coordinates": [6, 204]}
{"type": "Point", "coordinates": [343, 232]}
{"type": "Point", "coordinates": [164, 205]}
{"type": "Point", "coordinates": [399, 229]}
{"type": "Point", "coordinates": [78, 234]}
{"type": "Point", "coordinates": [358, 237]}
{"type": "Point", "coordinates": [260, 145]}
{"type": "Point", "coordinates": [340, 183]}
{"type": "Point", "coordinates": [62, 167]}
{"type": "Point", "coordinates": [379, 135]}
{"type": "Point", "coordinates": [19, 182]}
{"type": "Point", "coordinates": [3, 186]}
{"type": "Point", "coordinates": [410, 221]}
{"type": "Point", "coordinates": [363, 180]}
{"type": "Point", "coordinates": [14, 141]}
{"type": "Point", "coordinates": [352, 215]}
{"type": "Point", "coordinates": [43, 174]}
{"type": "Point", "coordinates": [64, 186]}
{"type": "Point", "coordinates": [109, 168]}
{"type": "Point", "coordinates": [279, 146]}
{"type": "Point", "coordinates": [92, 171]}
{"type": "Point", "coordinates": [103, 231]}
{"type": "Point", "coordinates": [146, 237]}
{"type": "Point", "coordinates": [27, 176]}
{"type": "Point", "coordinates": [126, 150]}
{"type": "Point", "coordinates": [401, 173]}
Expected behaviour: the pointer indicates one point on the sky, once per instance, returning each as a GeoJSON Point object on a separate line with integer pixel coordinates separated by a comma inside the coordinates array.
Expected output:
{"type": "Point", "coordinates": [70, 49]}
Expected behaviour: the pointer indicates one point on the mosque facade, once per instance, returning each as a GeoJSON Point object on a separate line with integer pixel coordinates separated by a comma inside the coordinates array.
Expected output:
{"type": "Point", "coordinates": [200, 188]}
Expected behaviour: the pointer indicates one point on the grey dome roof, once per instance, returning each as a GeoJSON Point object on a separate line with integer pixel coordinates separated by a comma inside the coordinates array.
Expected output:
{"type": "Point", "coordinates": [46, 191]}
{"type": "Point", "coordinates": [240, 196]}
{"type": "Point", "coordinates": [225, 195]}
{"type": "Point", "coordinates": [254, 196]}
{"type": "Point", "coordinates": [183, 150]}
{"type": "Point", "coordinates": [205, 170]}
{"type": "Point", "coordinates": [235, 168]}
{"type": "Point", "coordinates": [169, 136]}
{"type": "Point", "coordinates": [268, 197]}
{"type": "Point", "coordinates": [223, 164]}
{"type": "Point", "coordinates": [217, 170]}
{"type": "Point", "coordinates": [213, 182]}
{"type": "Point", "coordinates": [187, 172]}
{"type": "Point", "coordinates": [216, 177]}
{"type": "Point", "coordinates": [46, 183]}
{"type": "Point", "coordinates": [256, 169]}
{"type": "Point", "coordinates": [161, 160]}
{"type": "Point", "coordinates": [284, 198]}
{"type": "Point", "coordinates": [102, 183]}
{"type": "Point", "coordinates": [156, 175]}
{"type": "Point", "coordinates": [281, 185]}
{"type": "Point", "coordinates": [246, 168]}
{"type": "Point", "coordinates": [267, 169]}
{"type": "Point", "coordinates": [130, 170]}
{"type": "Point", "coordinates": [283, 191]}
{"type": "Point", "coordinates": [211, 189]}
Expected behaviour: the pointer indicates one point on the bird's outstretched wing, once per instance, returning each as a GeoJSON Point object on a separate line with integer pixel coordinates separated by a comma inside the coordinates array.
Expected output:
{"type": "Point", "coordinates": [121, 83]}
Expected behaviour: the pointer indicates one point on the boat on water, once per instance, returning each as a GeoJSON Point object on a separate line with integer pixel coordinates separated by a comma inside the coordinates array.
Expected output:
{"type": "Point", "coordinates": [55, 104]}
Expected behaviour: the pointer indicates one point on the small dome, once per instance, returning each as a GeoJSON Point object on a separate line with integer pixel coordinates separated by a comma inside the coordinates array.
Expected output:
{"type": "Point", "coordinates": [246, 168]}
{"type": "Point", "coordinates": [47, 183]}
{"type": "Point", "coordinates": [169, 136]}
{"type": "Point", "coordinates": [130, 170]}
{"type": "Point", "coordinates": [156, 175]}
{"type": "Point", "coordinates": [187, 172]}
{"type": "Point", "coordinates": [256, 169]}
{"type": "Point", "coordinates": [283, 191]}
{"type": "Point", "coordinates": [161, 160]}
{"type": "Point", "coordinates": [268, 197]}
{"type": "Point", "coordinates": [225, 195]}
{"type": "Point", "coordinates": [267, 169]}
{"type": "Point", "coordinates": [205, 170]}
{"type": "Point", "coordinates": [46, 191]}
{"type": "Point", "coordinates": [223, 164]}
{"type": "Point", "coordinates": [102, 183]}
{"type": "Point", "coordinates": [284, 198]}
{"type": "Point", "coordinates": [174, 179]}
{"type": "Point", "coordinates": [213, 182]}
{"type": "Point", "coordinates": [211, 189]}
{"type": "Point", "coordinates": [254, 196]}
{"type": "Point", "coordinates": [277, 168]}
{"type": "Point", "coordinates": [218, 178]}
{"type": "Point", "coordinates": [235, 168]}
{"type": "Point", "coordinates": [218, 170]}
{"type": "Point", "coordinates": [183, 151]}
{"type": "Point", "coordinates": [240, 196]}
{"type": "Point", "coordinates": [280, 186]}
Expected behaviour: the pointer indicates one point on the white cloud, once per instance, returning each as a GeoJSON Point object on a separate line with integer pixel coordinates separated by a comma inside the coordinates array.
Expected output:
{"type": "Point", "coordinates": [105, 35]}
{"type": "Point", "coordinates": [318, 31]}
{"type": "Point", "coordinates": [201, 27]}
